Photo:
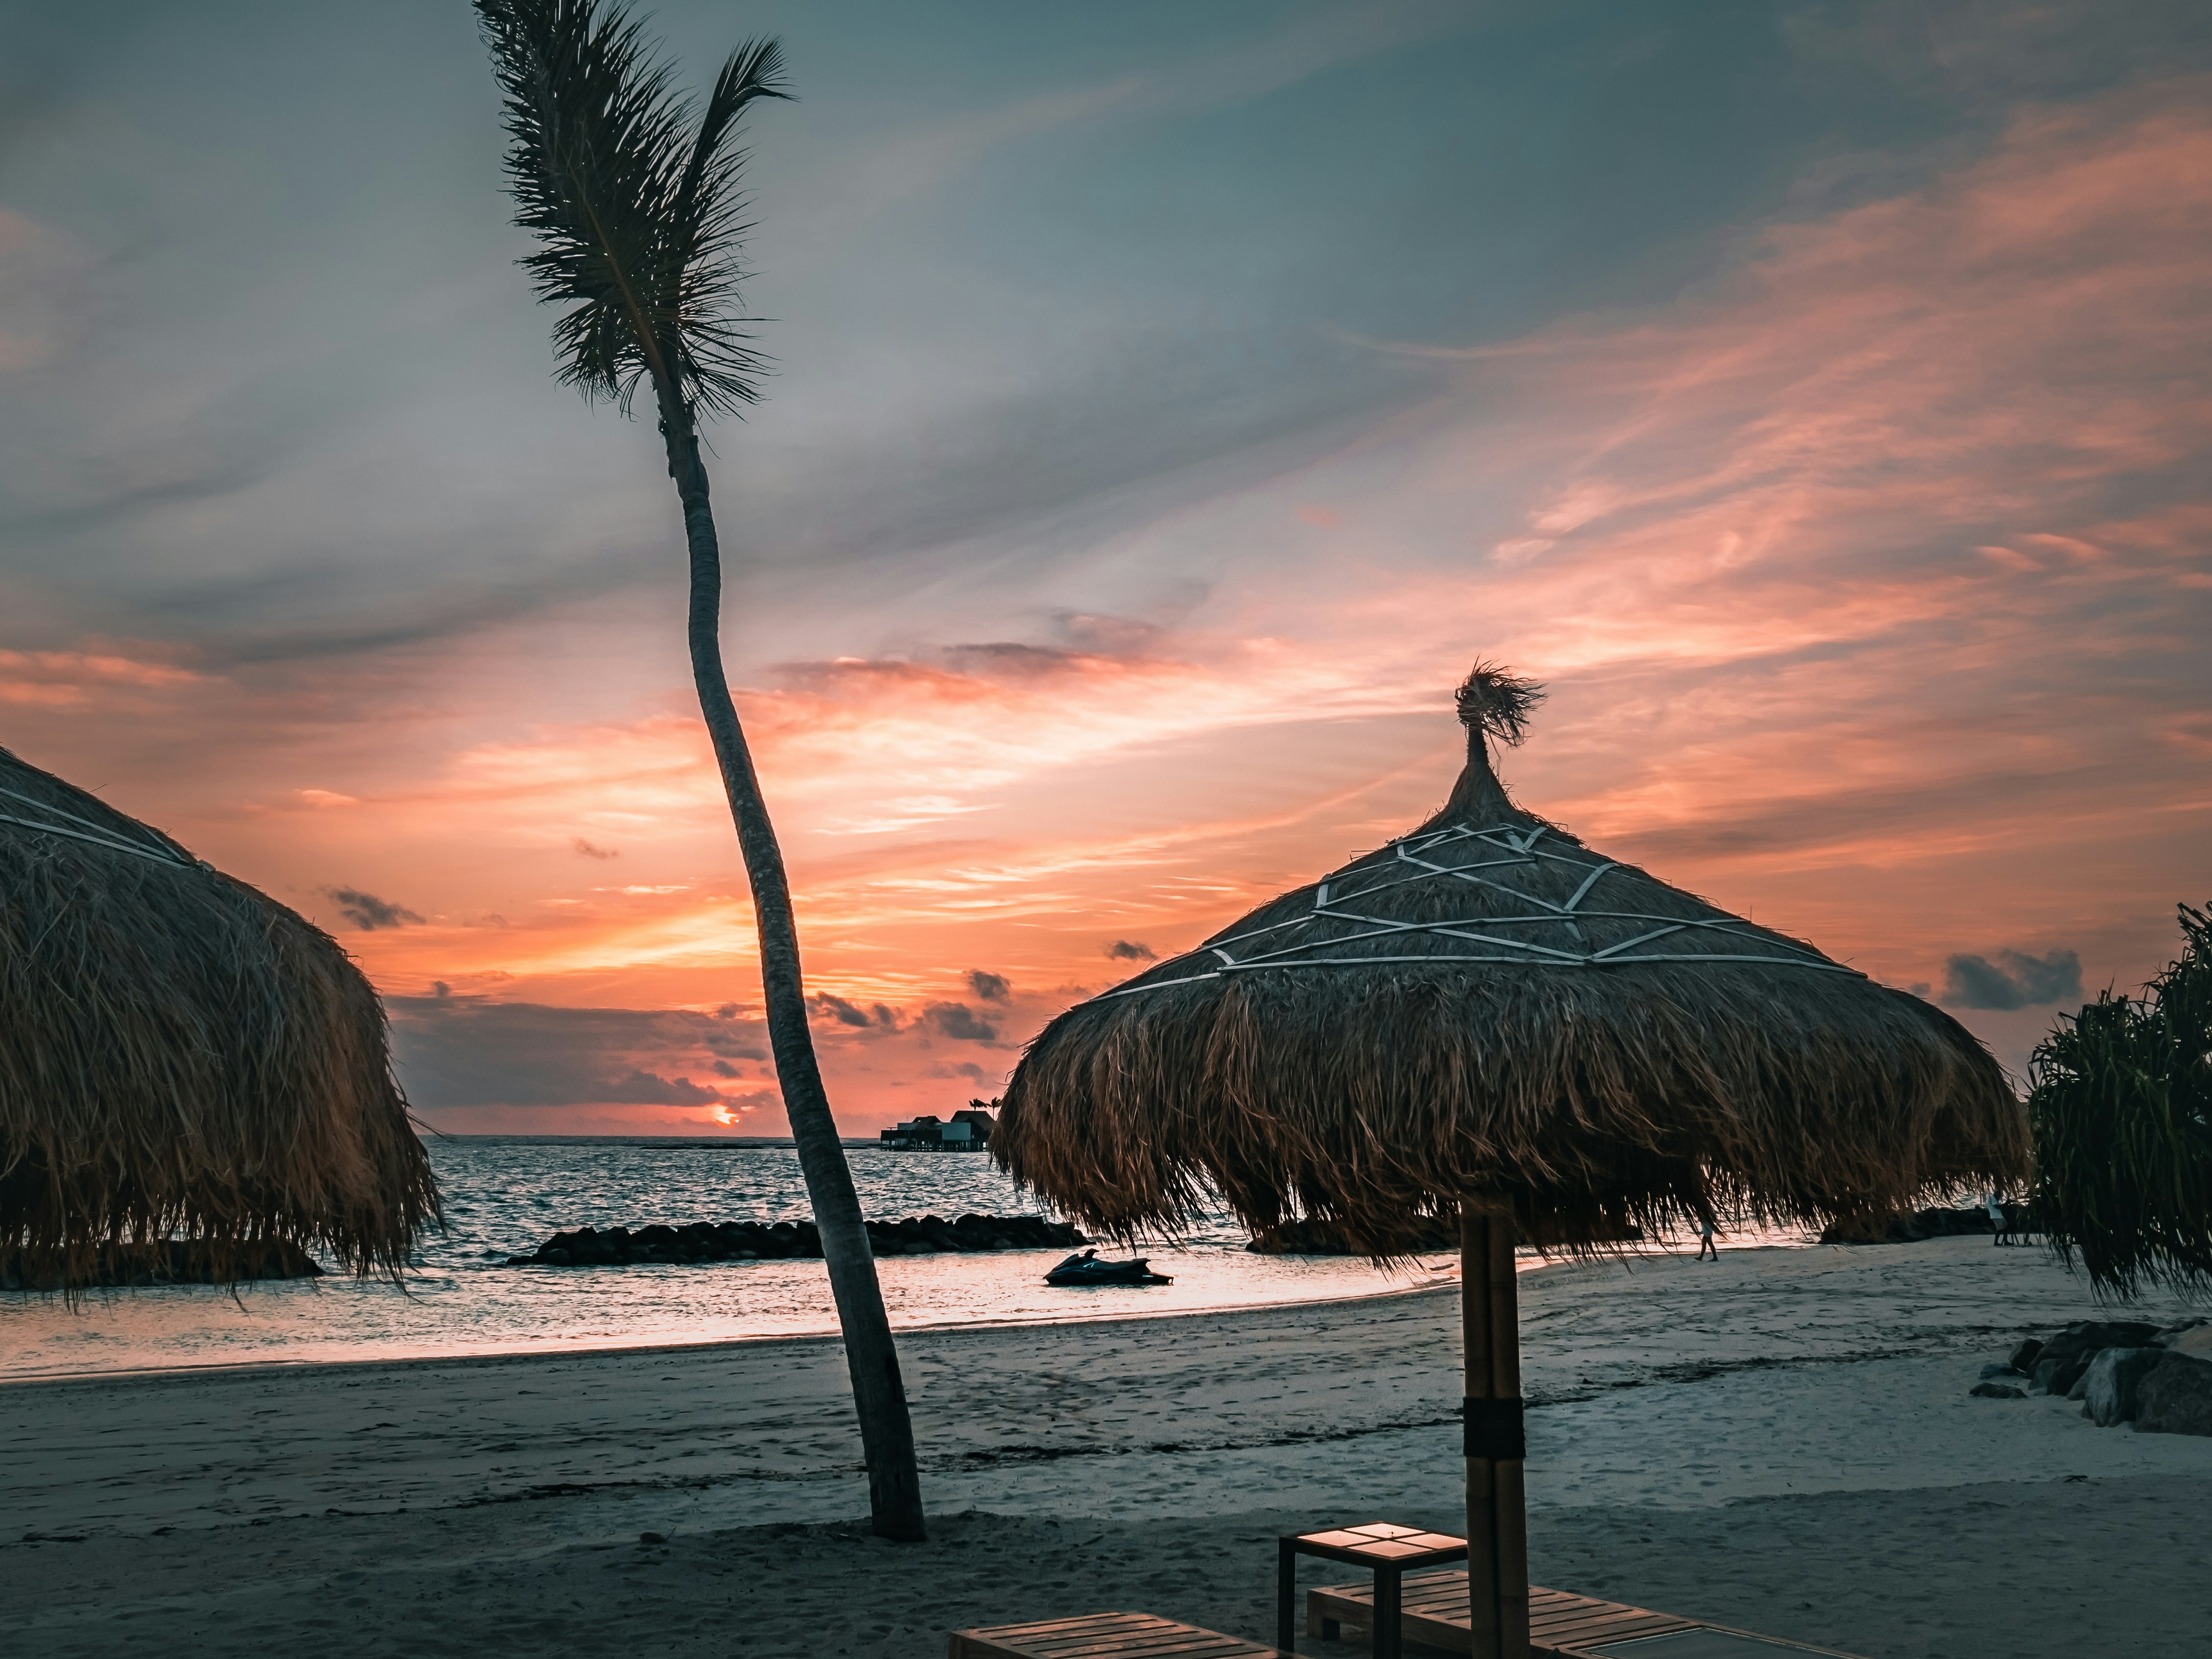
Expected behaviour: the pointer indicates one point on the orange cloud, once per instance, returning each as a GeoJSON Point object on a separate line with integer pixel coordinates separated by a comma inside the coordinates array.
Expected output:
{"type": "Point", "coordinates": [1870, 582]}
{"type": "Point", "coordinates": [78, 679]}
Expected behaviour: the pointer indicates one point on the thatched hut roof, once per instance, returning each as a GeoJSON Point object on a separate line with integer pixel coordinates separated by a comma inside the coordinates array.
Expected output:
{"type": "Point", "coordinates": [181, 1055]}
{"type": "Point", "coordinates": [1487, 1005]}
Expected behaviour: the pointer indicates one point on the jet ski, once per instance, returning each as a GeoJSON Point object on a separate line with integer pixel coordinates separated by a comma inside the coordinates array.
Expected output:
{"type": "Point", "coordinates": [1086, 1269]}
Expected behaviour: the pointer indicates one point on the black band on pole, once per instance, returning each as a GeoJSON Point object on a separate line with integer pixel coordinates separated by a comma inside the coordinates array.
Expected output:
{"type": "Point", "coordinates": [1493, 1428]}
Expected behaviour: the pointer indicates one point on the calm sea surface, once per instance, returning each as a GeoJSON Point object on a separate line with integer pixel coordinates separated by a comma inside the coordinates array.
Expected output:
{"type": "Point", "coordinates": [504, 1195]}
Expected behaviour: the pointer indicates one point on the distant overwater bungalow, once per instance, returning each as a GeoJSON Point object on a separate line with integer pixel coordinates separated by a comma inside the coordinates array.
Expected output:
{"type": "Point", "coordinates": [966, 1131]}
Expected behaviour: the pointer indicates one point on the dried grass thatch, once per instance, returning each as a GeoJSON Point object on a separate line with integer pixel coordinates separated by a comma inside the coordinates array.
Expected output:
{"type": "Point", "coordinates": [181, 1055]}
{"type": "Point", "coordinates": [1486, 1005]}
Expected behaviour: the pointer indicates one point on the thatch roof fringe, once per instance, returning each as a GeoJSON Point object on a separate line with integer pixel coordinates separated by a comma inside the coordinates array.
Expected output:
{"type": "Point", "coordinates": [181, 1055]}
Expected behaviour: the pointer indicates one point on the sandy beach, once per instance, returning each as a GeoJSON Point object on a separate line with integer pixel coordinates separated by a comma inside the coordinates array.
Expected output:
{"type": "Point", "coordinates": [1781, 1441]}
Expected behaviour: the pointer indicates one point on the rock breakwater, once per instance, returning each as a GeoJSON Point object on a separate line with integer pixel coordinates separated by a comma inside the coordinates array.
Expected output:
{"type": "Point", "coordinates": [1422, 1235]}
{"type": "Point", "coordinates": [1912, 1228]}
{"type": "Point", "coordinates": [2157, 1377]}
{"type": "Point", "coordinates": [163, 1261]}
{"type": "Point", "coordinates": [704, 1241]}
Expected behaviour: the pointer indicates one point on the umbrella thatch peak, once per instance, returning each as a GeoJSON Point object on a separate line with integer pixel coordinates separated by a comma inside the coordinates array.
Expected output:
{"type": "Point", "coordinates": [1485, 1004]}
{"type": "Point", "coordinates": [1493, 704]}
{"type": "Point", "coordinates": [180, 1055]}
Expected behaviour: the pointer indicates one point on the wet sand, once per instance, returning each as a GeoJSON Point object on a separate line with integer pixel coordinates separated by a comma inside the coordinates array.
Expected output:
{"type": "Point", "coordinates": [1781, 1441]}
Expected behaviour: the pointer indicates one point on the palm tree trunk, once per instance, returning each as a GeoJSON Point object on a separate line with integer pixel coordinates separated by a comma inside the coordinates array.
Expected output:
{"type": "Point", "coordinates": [879, 1395]}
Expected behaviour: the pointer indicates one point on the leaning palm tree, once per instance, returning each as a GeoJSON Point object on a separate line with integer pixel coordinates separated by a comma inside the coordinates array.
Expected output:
{"type": "Point", "coordinates": [632, 191]}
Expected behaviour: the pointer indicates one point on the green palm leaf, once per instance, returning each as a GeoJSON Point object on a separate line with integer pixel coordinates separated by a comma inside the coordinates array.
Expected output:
{"type": "Point", "coordinates": [633, 190]}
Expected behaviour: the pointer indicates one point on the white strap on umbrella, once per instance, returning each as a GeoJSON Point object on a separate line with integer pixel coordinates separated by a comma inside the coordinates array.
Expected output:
{"type": "Point", "coordinates": [98, 834]}
{"type": "Point", "coordinates": [1463, 854]}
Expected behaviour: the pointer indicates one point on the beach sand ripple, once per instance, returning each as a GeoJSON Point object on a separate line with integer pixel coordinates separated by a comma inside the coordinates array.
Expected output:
{"type": "Point", "coordinates": [1782, 1441]}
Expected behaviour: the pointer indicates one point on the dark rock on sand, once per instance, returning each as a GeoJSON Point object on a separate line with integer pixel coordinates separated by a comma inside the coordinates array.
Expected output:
{"type": "Point", "coordinates": [1996, 1391]}
{"type": "Point", "coordinates": [2129, 1333]}
{"type": "Point", "coordinates": [2176, 1398]}
{"type": "Point", "coordinates": [2194, 1339]}
{"type": "Point", "coordinates": [1903, 1229]}
{"type": "Point", "coordinates": [2113, 1367]}
{"type": "Point", "coordinates": [2109, 1389]}
{"type": "Point", "coordinates": [2068, 1354]}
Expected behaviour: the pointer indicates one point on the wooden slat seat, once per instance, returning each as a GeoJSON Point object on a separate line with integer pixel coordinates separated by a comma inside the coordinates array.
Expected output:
{"type": "Point", "coordinates": [1104, 1636]}
{"type": "Point", "coordinates": [1434, 1612]}
{"type": "Point", "coordinates": [1573, 1623]}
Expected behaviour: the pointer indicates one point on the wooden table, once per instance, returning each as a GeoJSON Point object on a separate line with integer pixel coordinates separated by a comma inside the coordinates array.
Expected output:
{"type": "Point", "coordinates": [1388, 1551]}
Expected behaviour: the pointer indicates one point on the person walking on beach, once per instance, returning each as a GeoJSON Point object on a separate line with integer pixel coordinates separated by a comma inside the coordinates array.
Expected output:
{"type": "Point", "coordinates": [2003, 1234]}
{"type": "Point", "coordinates": [1705, 1239]}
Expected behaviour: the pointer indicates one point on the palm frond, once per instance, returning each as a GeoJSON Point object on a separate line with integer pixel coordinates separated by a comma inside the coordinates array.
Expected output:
{"type": "Point", "coordinates": [632, 192]}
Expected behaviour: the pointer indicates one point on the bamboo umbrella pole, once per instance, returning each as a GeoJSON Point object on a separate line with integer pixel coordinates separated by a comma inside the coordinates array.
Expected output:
{"type": "Point", "coordinates": [1497, 1518]}
{"type": "Point", "coordinates": [1475, 1327]}
{"type": "Point", "coordinates": [1512, 1504]}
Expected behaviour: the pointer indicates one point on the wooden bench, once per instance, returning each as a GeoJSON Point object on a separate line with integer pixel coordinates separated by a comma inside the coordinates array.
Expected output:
{"type": "Point", "coordinates": [1105, 1636]}
{"type": "Point", "coordinates": [1433, 1612]}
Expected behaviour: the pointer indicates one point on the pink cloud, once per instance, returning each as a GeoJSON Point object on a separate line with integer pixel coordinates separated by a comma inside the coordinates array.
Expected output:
{"type": "Point", "coordinates": [1870, 581]}
{"type": "Point", "coordinates": [85, 680]}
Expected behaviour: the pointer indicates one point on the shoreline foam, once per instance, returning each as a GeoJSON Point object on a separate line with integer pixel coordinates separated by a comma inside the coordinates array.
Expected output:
{"type": "Point", "coordinates": [295, 1367]}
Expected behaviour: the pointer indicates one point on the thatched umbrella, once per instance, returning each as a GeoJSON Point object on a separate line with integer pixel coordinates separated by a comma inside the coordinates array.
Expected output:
{"type": "Point", "coordinates": [1486, 1018]}
{"type": "Point", "coordinates": [181, 1055]}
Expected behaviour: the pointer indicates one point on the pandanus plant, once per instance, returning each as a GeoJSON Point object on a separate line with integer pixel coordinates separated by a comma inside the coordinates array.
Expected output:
{"type": "Point", "coordinates": [2121, 1107]}
{"type": "Point", "coordinates": [632, 192]}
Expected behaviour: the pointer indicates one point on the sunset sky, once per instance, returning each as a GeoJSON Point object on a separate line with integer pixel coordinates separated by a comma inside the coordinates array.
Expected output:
{"type": "Point", "coordinates": [1171, 402]}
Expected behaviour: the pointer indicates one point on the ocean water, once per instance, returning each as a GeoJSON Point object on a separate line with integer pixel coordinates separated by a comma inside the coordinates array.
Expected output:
{"type": "Point", "coordinates": [505, 1194]}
